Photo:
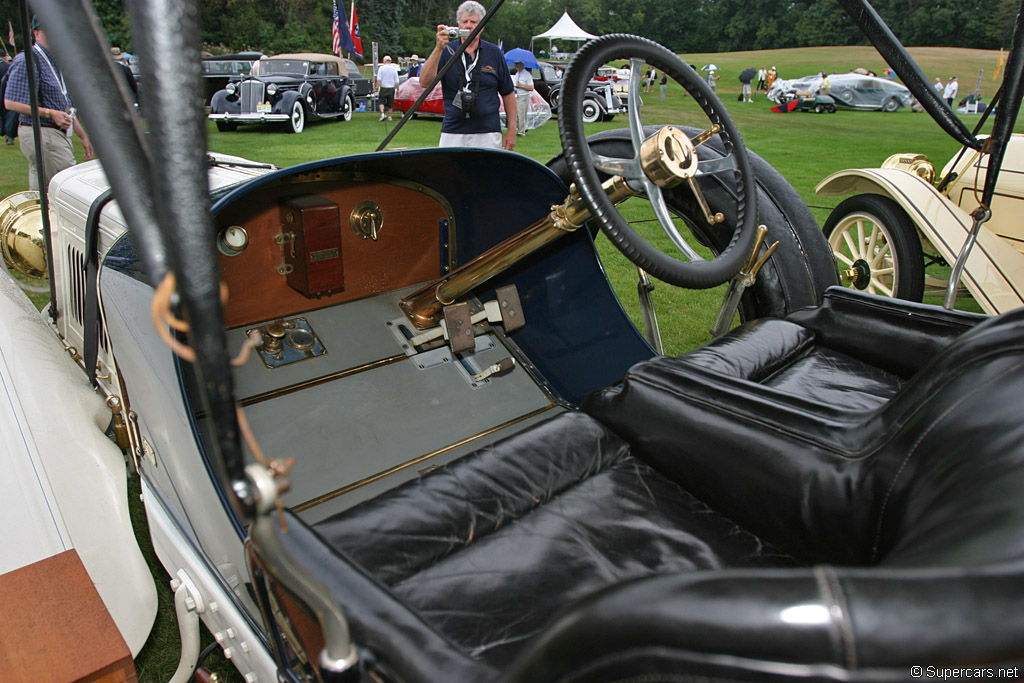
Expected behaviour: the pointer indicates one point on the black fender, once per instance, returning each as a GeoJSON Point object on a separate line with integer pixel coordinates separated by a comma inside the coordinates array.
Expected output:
{"type": "Point", "coordinates": [224, 102]}
{"type": "Point", "coordinates": [802, 266]}
{"type": "Point", "coordinates": [284, 104]}
{"type": "Point", "coordinates": [343, 92]}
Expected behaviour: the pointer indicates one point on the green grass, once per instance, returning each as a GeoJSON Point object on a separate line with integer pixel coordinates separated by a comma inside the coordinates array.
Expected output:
{"type": "Point", "coordinates": [804, 147]}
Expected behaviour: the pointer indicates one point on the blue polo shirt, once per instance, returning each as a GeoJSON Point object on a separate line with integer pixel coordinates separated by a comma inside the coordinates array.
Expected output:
{"type": "Point", "coordinates": [494, 80]}
{"type": "Point", "coordinates": [52, 91]}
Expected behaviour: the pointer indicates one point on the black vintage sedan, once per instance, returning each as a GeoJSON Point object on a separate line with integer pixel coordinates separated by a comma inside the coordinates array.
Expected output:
{"type": "Point", "coordinates": [287, 89]}
{"type": "Point", "coordinates": [219, 70]}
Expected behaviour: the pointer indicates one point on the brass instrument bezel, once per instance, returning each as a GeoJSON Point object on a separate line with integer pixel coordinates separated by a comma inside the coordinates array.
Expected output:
{"type": "Point", "coordinates": [225, 247]}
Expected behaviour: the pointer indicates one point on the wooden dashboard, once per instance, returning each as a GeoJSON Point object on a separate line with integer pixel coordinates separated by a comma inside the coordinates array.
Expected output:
{"type": "Point", "coordinates": [321, 239]}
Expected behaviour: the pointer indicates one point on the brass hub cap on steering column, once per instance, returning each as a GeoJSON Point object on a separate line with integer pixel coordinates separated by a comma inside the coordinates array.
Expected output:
{"type": "Point", "coordinates": [668, 157]}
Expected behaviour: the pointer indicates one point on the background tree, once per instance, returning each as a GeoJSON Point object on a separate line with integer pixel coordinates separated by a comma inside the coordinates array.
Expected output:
{"type": "Point", "coordinates": [380, 20]}
{"type": "Point", "coordinates": [402, 27]}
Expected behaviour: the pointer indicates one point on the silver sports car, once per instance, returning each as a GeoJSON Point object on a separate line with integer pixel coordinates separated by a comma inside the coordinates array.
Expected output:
{"type": "Point", "coordinates": [850, 91]}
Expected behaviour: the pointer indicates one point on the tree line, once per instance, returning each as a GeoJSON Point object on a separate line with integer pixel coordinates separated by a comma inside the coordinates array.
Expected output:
{"type": "Point", "coordinates": [403, 27]}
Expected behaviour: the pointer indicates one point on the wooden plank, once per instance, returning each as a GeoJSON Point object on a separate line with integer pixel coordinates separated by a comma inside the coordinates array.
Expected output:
{"type": "Point", "coordinates": [55, 627]}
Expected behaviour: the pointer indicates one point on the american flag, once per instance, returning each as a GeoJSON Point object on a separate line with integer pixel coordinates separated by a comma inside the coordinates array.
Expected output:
{"type": "Point", "coordinates": [335, 32]}
{"type": "Point", "coordinates": [10, 33]}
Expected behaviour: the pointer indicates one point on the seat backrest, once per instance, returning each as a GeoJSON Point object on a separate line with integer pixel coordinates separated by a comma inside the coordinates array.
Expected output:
{"type": "Point", "coordinates": [895, 335]}
{"type": "Point", "coordinates": [951, 475]}
{"type": "Point", "coordinates": [919, 480]}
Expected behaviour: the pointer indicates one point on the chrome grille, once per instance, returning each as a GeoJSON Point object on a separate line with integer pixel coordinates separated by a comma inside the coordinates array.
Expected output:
{"type": "Point", "coordinates": [250, 95]}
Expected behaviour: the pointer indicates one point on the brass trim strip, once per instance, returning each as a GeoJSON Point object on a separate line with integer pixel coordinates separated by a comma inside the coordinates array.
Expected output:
{"type": "Point", "coordinates": [424, 306]}
{"type": "Point", "coordinates": [317, 381]}
{"type": "Point", "coordinates": [415, 461]}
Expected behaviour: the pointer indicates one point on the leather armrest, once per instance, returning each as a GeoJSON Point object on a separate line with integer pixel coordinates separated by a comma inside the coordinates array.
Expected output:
{"type": "Point", "coordinates": [395, 633]}
{"type": "Point", "coordinates": [820, 623]}
{"type": "Point", "coordinates": [896, 335]}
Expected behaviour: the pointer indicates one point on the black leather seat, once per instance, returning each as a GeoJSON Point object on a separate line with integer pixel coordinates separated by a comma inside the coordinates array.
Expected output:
{"type": "Point", "coordinates": [734, 529]}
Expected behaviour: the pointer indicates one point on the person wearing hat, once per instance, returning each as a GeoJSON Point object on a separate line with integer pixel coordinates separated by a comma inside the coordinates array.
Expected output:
{"type": "Point", "coordinates": [523, 80]}
{"type": "Point", "coordinates": [126, 71]}
{"type": "Point", "coordinates": [386, 82]}
{"type": "Point", "coordinates": [414, 66]}
{"type": "Point", "coordinates": [57, 118]}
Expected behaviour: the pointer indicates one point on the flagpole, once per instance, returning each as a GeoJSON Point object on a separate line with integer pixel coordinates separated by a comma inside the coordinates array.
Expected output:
{"type": "Point", "coordinates": [10, 38]}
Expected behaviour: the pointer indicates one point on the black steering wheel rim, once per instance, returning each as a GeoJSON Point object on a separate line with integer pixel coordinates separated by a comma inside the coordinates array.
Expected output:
{"type": "Point", "coordinates": [690, 274]}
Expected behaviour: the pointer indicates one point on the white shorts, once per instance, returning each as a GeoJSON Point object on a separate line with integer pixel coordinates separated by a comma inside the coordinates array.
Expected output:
{"type": "Point", "coordinates": [487, 140]}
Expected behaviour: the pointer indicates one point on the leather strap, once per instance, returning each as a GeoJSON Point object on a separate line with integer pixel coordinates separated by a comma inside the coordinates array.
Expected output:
{"type": "Point", "coordinates": [91, 327]}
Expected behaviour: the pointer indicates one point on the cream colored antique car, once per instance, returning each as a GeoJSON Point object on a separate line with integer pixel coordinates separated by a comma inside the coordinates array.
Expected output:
{"type": "Point", "coordinates": [903, 219]}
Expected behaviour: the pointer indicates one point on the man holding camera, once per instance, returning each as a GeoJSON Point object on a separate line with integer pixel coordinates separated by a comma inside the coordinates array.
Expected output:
{"type": "Point", "coordinates": [471, 89]}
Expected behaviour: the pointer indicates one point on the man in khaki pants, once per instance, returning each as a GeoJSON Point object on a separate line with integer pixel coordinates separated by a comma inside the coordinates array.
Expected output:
{"type": "Point", "coordinates": [56, 115]}
{"type": "Point", "coordinates": [523, 80]}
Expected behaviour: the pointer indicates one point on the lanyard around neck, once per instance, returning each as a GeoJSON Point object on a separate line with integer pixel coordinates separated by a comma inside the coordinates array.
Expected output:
{"type": "Point", "coordinates": [469, 66]}
{"type": "Point", "coordinates": [56, 76]}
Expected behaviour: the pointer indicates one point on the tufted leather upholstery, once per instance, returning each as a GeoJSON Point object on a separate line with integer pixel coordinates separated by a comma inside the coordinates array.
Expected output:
{"type": "Point", "coordinates": [721, 519]}
{"type": "Point", "coordinates": [487, 549]}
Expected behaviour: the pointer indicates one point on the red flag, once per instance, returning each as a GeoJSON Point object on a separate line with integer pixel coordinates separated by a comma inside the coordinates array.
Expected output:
{"type": "Point", "coordinates": [357, 42]}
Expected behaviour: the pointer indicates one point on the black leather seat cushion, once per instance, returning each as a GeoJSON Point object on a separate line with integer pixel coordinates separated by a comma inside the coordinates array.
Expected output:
{"type": "Point", "coordinates": [490, 548]}
{"type": "Point", "coordinates": [786, 356]}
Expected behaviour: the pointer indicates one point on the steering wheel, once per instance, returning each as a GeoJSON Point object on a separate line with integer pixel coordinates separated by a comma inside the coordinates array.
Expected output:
{"type": "Point", "coordinates": [661, 160]}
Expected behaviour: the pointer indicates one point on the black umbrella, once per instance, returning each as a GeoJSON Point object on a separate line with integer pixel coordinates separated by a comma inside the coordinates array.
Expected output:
{"type": "Point", "coordinates": [747, 75]}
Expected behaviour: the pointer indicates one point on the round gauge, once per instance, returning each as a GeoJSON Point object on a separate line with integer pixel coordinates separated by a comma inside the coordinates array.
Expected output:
{"type": "Point", "coordinates": [233, 240]}
{"type": "Point", "coordinates": [300, 339]}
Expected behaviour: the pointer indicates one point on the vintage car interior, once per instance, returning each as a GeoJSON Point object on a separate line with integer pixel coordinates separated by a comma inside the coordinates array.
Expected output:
{"type": "Point", "coordinates": [401, 420]}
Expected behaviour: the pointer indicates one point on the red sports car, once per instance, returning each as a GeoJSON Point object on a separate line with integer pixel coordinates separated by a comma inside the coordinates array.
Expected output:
{"type": "Point", "coordinates": [410, 90]}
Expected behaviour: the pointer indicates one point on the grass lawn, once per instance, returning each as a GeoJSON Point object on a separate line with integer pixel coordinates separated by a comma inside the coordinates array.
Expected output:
{"type": "Point", "coordinates": [804, 147]}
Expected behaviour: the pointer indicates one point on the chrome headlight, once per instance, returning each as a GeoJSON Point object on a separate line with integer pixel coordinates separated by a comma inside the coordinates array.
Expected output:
{"type": "Point", "coordinates": [230, 87]}
{"type": "Point", "coordinates": [272, 89]}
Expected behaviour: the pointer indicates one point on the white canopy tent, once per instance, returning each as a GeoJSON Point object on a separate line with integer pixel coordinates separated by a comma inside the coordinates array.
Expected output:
{"type": "Point", "coordinates": [564, 29]}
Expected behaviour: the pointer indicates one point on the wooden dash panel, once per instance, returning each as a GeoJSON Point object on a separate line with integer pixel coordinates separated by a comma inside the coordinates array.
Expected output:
{"type": "Point", "coordinates": [407, 250]}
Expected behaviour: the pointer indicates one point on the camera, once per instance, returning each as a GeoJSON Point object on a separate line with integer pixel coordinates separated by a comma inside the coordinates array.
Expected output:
{"type": "Point", "coordinates": [456, 32]}
{"type": "Point", "coordinates": [465, 100]}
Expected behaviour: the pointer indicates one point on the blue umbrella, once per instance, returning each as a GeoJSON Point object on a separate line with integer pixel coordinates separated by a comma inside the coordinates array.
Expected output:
{"type": "Point", "coordinates": [518, 54]}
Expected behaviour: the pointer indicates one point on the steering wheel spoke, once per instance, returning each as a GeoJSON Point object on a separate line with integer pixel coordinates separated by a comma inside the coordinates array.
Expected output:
{"type": "Point", "coordinates": [629, 169]}
{"type": "Point", "coordinates": [657, 199]}
{"type": "Point", "coordinates": [721, 165]}
{"type": "Point", "coordinates": [663, 158]}
{"type": "Point", "coordinates": [634, 102]}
